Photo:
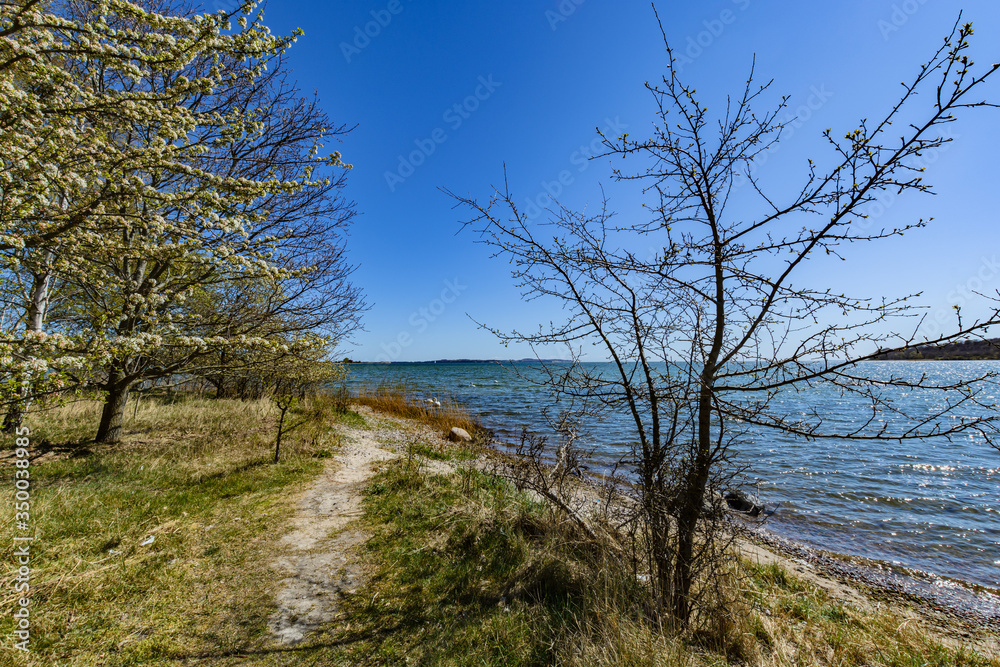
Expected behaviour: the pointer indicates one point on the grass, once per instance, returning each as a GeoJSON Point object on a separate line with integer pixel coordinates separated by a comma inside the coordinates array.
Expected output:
{"type": "Point", "coordinates": [193, 475]}
{"type": "Point", "coordinates": [467, 574]}
{"type": "Point", "coordinates": [448, 454]}
{"type": "Point", "coordinates": [796, 623]}
{"type": "Point", "coordinates": [399, 400]}
{"type": "Point", "coordinates": [464, 569]}
{"type": "Point", "coordinates": [468, 571]}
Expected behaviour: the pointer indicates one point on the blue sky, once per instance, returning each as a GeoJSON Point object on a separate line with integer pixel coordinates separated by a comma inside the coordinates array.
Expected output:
{"type": "Point", "coordinates": [473, 86]}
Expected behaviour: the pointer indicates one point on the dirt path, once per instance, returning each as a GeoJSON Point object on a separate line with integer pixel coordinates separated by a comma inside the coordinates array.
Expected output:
{"type": "Point", "coordinates": [320, 567]}
{"type": "Point", "coordinates": [319, 552]}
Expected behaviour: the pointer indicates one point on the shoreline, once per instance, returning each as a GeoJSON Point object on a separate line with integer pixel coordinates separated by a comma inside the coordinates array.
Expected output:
{"type": "Point", "coordinates": [318, 560]}
{"type": "Point", "coordinates": [962, 600]}
{"type": "Point", "coordinates": [864, 585]}
{"type": "Point", "coordinates": [931, 594]}
{"type": "Point", "coordinates": [951, 610]}
{"type": "Point", "coordinates": [957, 608]}
{"type": "Point", "coordinates": [946, 532]}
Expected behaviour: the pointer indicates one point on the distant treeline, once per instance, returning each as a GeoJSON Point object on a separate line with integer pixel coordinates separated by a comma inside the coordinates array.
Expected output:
{"type": "Point", "coordinates": [964, 350]}
{"type": "Point", "coordinates": [471, 361]}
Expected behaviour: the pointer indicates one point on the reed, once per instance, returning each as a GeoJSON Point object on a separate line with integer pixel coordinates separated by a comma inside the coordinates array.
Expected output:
{"type": "Point", "coordinates": [400, 400]}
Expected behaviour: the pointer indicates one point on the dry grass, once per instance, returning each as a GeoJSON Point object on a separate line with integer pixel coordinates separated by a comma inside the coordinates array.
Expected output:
{"type": "Point", "coordinates": [466, 569]}
{"type": "Point", "coordinates": [195, 476]}
{"type": "Point", "coordinates": [399, 400]}
{"type": "Point", "coordinates": [788, 621]}
{"type": "Point", "coordinates": [469, 571]}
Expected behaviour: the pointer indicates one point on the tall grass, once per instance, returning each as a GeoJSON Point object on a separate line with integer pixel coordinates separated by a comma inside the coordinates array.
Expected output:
{"type": "Point", "coordinates": [398, 399]}
{"type": "Point", "coordinates": [469, 571]}
{"type": "Point", "coordinates": [157, 548]}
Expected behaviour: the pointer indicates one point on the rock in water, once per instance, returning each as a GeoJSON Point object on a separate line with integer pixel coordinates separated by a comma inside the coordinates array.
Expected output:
{"type": "Point", "coordinates": [459, 435]}
{"type": "Point", "coordinates": [740, 502]}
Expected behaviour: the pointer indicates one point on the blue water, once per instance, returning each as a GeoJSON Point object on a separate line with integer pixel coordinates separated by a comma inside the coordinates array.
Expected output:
{"type": "Point", "coordinates": [932, 506]}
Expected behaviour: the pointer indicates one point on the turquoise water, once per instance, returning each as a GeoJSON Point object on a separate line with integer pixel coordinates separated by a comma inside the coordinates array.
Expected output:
{"type": "Point", "coordinates": [931, 506]}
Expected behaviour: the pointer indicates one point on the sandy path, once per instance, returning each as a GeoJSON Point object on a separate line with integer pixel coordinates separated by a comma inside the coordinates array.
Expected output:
{"type": "Point", "coordinates": [319, 552]}
{"type": "Point", "coordinates": [319, 566]}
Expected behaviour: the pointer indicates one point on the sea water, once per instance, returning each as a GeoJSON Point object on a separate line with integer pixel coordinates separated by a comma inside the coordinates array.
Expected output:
{"type": "Point", "coordinates": [931, 506]}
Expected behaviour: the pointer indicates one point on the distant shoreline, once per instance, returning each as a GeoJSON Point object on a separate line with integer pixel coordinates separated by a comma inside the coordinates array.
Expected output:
{"type": "Point", "coordinates": [955, 352]}
{"type": "Point", "coordinates": [464, 361]}
{"type": "Point", "coordinates": [973, 350]}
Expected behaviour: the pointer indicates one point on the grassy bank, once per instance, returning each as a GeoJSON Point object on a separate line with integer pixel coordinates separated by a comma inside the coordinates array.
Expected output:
{"type": "Point", "coordinates": [463, 568]}
{"type": "Point", "coordinates": [195, 477]}
{"type": "Point", "coordinates": [472, 572]}
{"type": "Point", "coordinates": [400, 400]}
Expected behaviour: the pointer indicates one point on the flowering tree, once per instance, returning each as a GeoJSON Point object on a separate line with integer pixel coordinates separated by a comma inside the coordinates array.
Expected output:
{"type": "Point", "coordinates": [64, 174]}
{"type": "Point", "coordinates": [204, 167]}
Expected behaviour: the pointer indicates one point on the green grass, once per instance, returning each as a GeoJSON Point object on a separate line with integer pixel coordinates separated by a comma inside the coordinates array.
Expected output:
{"type": "Point", "coordinates": [447, 454]}
{"type": "Point", "coordinates": [468, 571]}
{"type": "Point", "coordinates": [196, 477]}
{"type": "Point", "coordinates": [352, 419]}
{"type": "Point", "coordinates": [464, 569]}
{"type": "Point", "coordinates": [794, 622]}
{"type": "Point", "coordinates": [444, 591]}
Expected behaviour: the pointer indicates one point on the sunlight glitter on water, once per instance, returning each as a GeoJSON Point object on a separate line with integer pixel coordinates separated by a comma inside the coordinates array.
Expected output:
{"type": "Point", "coordinates": [930, 505]}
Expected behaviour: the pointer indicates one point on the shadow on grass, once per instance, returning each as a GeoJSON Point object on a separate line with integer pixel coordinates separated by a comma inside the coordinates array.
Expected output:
{"type": "Point", "coordinates": [454, 580]}
{"type": "Point", "coordinates": [246, 466]}
{"type": "Point", "coordinates": [73, 450]}
{"type": "Point", "coordinates": [44, 451]}
{"type": "Point", "coordinates": [300, 650]}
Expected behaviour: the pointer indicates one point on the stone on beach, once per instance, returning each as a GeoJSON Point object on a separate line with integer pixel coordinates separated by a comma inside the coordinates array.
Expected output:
{"type": "Point", "coordinates": [459, 435]}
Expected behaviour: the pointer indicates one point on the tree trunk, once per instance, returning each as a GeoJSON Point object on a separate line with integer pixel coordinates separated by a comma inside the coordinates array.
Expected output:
{"type": "Point", "coordinates": [663, 563]}
{"type": "Point", "coordinates": [691, 509]}
{"type": "Point", "coordinates": [113, 415]}
{"type": "Point", "coordinates": [697, 477]}
{"type": "Point", "coordinates": [40, 292]}
{"type": "Point", "coordinates": [221, 389]}
{"type": "Point", "coordinates": [14, 418]}
{"type": "Point", "coordinates": [283, 407]}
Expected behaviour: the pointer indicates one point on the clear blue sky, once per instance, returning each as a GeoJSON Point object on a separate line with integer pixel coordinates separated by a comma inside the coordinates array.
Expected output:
{"type": "Point", "coordinates": [535, 78]}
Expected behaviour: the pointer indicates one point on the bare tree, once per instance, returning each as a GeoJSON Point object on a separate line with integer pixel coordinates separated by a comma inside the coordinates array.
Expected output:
{"type": "Point", "coordinates": [310, 320]}
{"type": "Point", "coordinates": [706, 331]}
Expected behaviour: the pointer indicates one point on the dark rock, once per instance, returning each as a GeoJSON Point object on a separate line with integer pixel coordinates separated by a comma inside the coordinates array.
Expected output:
{"type": "Point", "coordinates": [741, 502]}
